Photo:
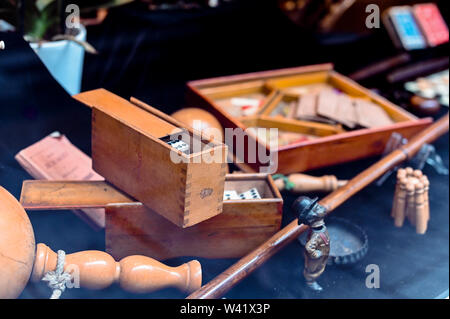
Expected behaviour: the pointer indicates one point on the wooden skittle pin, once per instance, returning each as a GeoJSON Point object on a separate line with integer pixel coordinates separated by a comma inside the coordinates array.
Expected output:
{"type": "Point", "coordinates": [420, 218]}
{"type": "Point", "coordinates": [401, 173]}
{"type": "Point", "coordinates": [400, 203]}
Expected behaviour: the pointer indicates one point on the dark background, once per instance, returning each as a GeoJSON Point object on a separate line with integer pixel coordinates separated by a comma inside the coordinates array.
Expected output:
{"type": "Point", "coordinates": [151, 55]}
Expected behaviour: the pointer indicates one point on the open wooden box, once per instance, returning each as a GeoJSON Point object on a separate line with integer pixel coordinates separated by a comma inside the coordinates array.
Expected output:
{"type": "Point", "coordinates": [130, 150]}
{"type": "Point", "coordinates": [333, 146]}
{"type": "Point", "coordinates": [244, 224]}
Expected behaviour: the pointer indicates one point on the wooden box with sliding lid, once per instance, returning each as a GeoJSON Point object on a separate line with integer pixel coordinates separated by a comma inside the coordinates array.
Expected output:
{"type": "Point", "coordinates": [152, 157]}
{"type": "Point", "coordinates": [244, 224]}
{"type": "Point", "coordinates": [323, 118]}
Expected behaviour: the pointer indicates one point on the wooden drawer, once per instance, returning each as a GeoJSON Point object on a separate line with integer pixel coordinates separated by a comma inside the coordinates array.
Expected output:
{"type": "Point", "coordinates": [243, 225]}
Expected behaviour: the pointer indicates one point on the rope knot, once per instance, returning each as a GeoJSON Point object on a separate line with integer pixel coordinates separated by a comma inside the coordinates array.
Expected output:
{"type": "Point", "coordinates": [58, 279]}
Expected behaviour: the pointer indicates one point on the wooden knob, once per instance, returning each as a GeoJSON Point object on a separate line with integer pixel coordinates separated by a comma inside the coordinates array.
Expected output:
{"type": "Point", "coordinates": [138, 274]}
{"type": "Point", "coordinates": [425, 106]}
{"type": "Point", "coordinates": [16, 246]}
{"type": "Point", "coordinates": [303, 183]}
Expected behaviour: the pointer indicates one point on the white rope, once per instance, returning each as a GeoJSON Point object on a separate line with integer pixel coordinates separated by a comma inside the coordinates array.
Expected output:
{"type": "Point", "coordinates": [58, 279]}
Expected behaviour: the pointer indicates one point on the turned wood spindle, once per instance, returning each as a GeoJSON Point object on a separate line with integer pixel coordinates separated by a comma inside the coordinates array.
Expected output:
{"type": "Point", "coordinates": [410, 200]}
{"type": "Point", "coordinates": [426, 186]}
{"type": "Point", "coordinates": [420, 213]}
{"type": "Point", "coordinates": [138, 274]}
{"type": "Point", "coordinates": [400, 203]}
{"type": "Point", "coordinates": [305, 183]}
{"type": "Point", "coordinates": [96, 269]}
{"type": "Point", "coordinates": [401, 173]}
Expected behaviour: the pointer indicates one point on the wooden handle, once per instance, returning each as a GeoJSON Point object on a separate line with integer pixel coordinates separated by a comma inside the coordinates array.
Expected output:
{"type": "Point", "coordinates": [138, 274]}
{"type": "Point", "coordinates": [246, 265]}
{"type": "Point", "coordinates": [305, 183]}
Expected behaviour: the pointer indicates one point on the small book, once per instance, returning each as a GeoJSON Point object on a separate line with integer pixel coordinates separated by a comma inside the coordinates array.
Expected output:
{"type": "Point", "coordinates": [56, 158]}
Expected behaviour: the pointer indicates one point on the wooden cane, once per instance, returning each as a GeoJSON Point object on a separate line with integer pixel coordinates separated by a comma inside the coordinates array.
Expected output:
{"type": "Point", "coordinates": [246, 265]}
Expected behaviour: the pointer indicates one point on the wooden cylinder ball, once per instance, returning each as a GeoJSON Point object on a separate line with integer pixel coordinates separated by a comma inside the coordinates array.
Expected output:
{"type": "Point", "coordinates": [200, 120]}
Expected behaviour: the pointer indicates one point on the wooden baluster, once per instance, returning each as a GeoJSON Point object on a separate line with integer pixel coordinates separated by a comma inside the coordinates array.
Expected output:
{"type": "Point", "coordinates": [138, 274]}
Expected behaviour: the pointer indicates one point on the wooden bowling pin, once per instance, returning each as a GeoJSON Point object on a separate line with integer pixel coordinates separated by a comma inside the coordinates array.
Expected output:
{"type": "Point", "coordinates": [420, 213]}
{"type": "Point", "coordinates": [401, 173]}
{"type": "Point", "coordinates": [426, 186]}
{"type": "Point", "coordinates": [96, 269]}
{"type": "Point", "coordinates": [400, 203]}
{"type": "Point", "coordinates": [302, 183]}
{"type": "Point", "coordinates": [410, 201]}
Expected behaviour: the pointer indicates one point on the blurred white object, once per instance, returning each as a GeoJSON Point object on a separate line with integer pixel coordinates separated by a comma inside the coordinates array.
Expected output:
{"type": "Point", "coordinates": [64, 59]}
{"type": "Point", "coordinates": [213, 3]}
{"type": "Point", "coordinates": [2, 45]}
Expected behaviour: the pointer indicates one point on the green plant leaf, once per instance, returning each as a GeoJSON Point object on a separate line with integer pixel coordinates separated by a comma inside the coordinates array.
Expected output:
{"type": "Point", "coordinates": [42, 4]}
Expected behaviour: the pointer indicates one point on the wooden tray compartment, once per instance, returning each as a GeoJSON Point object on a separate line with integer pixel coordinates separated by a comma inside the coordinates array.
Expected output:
{"type": "Point", "coordinates": [129, 151]}
{"type": "Point", "coordinates": [242, 226]}
{"type": "Point", "coordinates": [325, 151]}
{"type": "Point", "coordinates": [251, 90]}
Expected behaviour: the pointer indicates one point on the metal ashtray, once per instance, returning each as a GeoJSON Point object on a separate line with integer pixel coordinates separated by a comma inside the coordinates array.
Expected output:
{"type": "Point", "coordinates": [349, 242]}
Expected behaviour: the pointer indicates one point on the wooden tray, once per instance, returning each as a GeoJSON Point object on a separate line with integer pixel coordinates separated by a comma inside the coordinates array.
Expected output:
{"type": "Point", "coordinates": [325, 151]}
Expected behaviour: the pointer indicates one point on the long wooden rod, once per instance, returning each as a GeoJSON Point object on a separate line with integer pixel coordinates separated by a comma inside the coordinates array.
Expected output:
{"type": "Point", "coordinates": [246, 265]}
